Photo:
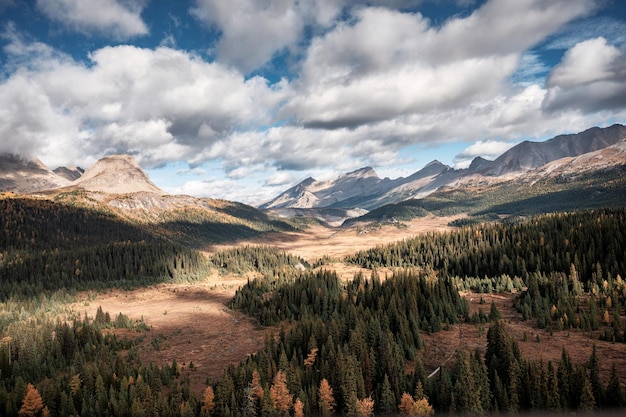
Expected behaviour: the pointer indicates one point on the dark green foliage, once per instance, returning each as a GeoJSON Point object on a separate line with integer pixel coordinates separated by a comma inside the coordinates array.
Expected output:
{"type": "Point", "coordinates": [46, 246]}
{"type": "Point", "coordinates": [544, 244]}
{"type": "Point", "coordinates": [78, 369]}
{"type": "Point", "coordinates": [365, 332]}
{"type": "Point", "coordinates": [264, 259]}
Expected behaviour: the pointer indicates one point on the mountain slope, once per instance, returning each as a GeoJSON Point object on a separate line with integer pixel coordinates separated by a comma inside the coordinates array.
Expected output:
{"type": "Point", "coordinates": [21, 175]}
{"type": "Point", "coordinates": [530, 155]}
{"type": "Point", "coordinates": [116, 174]}
{"type": "Point", "coordinates": [590, 181]}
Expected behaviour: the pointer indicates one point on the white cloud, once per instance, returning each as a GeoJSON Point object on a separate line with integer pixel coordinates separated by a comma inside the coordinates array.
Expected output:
{"type": "Point", "coordinates": [252, 31]}
{"type": "Point", "coordinates": [387, 64]}
{"type": "Point", "coordinates": [488, 149]}
{"type": "Point", "coordinates": [121, 19]}
{"type": "Point", "coordinates": [590, 77]}
{"type": "Point", "coordinates": [279, 178]}
{"type": "Point", "coordinates": [161, 104]}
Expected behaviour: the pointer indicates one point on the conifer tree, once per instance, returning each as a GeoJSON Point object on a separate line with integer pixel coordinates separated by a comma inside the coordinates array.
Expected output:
{"type": "Point", "coordinates": [406, 404]}
{"type": "Point", "coordinates": [365, 407]}
{"type": "Point", "coordinates": [387, 399]}
{"type": "Point", "coordinates": [283, 399]}
{"type": "Point", "coordinates": [32, 404]}
{"type": "Point", "coordinates": [326, 399]}
{"type": "Point", "coordinates": [298, 408]}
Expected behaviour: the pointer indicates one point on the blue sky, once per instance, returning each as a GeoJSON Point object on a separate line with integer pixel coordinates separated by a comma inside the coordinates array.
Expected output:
{"type": "Point", "coordinates": [241, 99]}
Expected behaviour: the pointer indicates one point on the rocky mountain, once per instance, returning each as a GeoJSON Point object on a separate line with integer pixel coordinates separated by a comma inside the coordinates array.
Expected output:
{"type": "Point", "coordinates": [69, 173]}
{"type": "Point", "coordinates": [365, 190]}
{"type": "Point", "coordinates": [113, 174]}
{"type": "Point", "coordinates": [21, 175]}
{"type": "Point", "coordinates": [362, 188]}
{"type": "Point", "coordinates": [116, 174]}
{"type": "Point", "coordinates": [530, 155]}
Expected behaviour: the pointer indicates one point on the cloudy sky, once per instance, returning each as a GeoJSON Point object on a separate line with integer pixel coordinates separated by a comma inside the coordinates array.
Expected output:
{"type": "Point", "coordinates": [241, 99]}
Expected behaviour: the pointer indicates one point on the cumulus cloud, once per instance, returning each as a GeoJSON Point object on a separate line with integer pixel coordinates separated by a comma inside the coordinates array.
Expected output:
{"type": "Point", "coordinates": [590, 77]}
{"type": "Point", "coordinates": [279, 178]}
{"type": "Point", "coordinates": [488, 149]}
{"type": "Point", "coordinates": [386, 64]}
{"type": "Point", "coordinates": [121, 19]}
{"type": "Point", "coordinates": [366, 83]}
{"type": "Point", "coordinates": [161, 104]}
{"type": "Point", "coordinates": [253, 31]}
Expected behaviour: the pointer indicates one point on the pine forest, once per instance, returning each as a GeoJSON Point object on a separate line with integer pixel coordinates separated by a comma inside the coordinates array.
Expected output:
{"type": "Point", "coordinates": [334, 346]}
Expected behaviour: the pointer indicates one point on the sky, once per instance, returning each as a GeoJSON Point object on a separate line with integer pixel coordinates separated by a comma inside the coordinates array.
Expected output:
{"type": "Point", "coordinates": [242, 99]}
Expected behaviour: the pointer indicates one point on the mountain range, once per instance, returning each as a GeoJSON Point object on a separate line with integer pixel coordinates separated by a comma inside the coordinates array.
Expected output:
{"type": "Point", "coordinates": [364, 189]}
{"type": "Point", "coordinates": [118, 182]}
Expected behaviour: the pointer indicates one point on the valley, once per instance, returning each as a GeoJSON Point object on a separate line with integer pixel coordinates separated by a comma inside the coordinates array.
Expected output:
{"type": "Point", "coordinates": [503, 282]}
{"type": "Point", "coordinates": [190, 322]}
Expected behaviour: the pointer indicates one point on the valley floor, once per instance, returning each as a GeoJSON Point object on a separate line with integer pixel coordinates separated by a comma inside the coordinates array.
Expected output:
{"type": "Point", "coordinates": [190, 322]}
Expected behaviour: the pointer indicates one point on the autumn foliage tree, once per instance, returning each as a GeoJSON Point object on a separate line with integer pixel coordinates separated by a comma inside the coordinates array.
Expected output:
{"type": "Point", "coordinates": [326, 399]}
{"type": "Point", "coordinates": [365, 407]}
{"type": "Point", "coordinates": [32, 404]}
{"type": "Point", "coordinates": [298, 408]}
{"type": "Point", "coordinates": [208, 402]}
{"type": "Point", "coordinates": [283, 399]}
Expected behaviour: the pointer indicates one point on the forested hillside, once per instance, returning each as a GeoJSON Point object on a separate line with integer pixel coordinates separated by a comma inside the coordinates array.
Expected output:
{"type": "Point", "coordinates": [46, 246]}
{"type": "Point", "coordinates": [355, 348]}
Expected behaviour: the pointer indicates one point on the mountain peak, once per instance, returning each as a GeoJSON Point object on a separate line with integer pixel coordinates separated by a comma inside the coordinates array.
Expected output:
{"type": "Point", "coordinates": [116, 174]}
{"type": "Point", "coordinates": [366, 172]}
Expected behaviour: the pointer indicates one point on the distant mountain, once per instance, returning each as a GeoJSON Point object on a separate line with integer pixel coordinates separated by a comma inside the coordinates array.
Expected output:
{"type": "Point", "coordinates": [365, 190]}
{"type": "Point", "coordinates": [22, 175]}
{"type": "Point", "coordinates": [362, 189]}
{"type": "Point", "coordinates": [116, 174]}
{"type": "Point", "coordinates": [530, 155]}
{"type": "Point", "coordinates": [69, 173]}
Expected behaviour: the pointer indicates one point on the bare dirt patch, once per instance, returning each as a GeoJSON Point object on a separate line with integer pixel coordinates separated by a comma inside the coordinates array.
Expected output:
{"type": "Point", "coordinates": [191, 323]}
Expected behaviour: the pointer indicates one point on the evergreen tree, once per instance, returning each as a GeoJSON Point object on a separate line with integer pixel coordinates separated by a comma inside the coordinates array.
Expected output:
{"type": "Point", "coordinates": [387, 399]}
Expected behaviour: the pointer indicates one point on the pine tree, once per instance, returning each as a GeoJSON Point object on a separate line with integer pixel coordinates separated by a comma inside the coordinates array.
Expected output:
{"type": "Point", "coordinates": [587, 401]}
{"type": "Point", "coordinates": [365, 407]}
{"type": "Point", "coordinates": [387, 399]}
{"type": "Point", "coordinates": [298, 408]}
{"type": "Point", "coordinates": [594, 377]}
{"type": "Point", "coordinates": [406, 404]}
{"type": "Point", "coordinates": [422, 408]}
{"type": "Point", "coordinates": [614, 394]}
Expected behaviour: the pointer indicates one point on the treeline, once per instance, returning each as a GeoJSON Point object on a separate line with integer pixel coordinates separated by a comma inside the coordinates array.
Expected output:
{"type": "Point", "coordinates": [551, 243]}
{"type": "Point", "coordinates": [46, 246]}
{"type": "Point", "coordinates": [265, 259]}
{"type": "Point", "coordinates": [360, 339]}
{"type": "Point", "coordinates": [570, 265]}
{"type": "Point", "coordinates": [64, 368]}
